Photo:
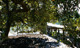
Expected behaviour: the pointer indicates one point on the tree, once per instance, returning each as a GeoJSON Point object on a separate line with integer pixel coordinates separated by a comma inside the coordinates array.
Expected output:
{"type": "Point", "coordinates": [67, 13]}
{"type": "Point", "coordinates": [33, 12]}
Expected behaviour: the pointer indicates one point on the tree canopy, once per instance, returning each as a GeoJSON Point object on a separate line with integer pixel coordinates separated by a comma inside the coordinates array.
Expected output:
{"type": "Point", "coordinates": [34, 12]}
{"type": "Point", "coordinates": [37, 13]}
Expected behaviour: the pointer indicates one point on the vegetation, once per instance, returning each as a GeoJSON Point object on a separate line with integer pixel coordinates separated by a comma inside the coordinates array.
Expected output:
{"type": "Point", "coordinates": [36, 14]}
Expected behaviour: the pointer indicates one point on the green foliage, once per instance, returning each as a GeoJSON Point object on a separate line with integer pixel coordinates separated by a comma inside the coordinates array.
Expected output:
{"type": "Point", "coordinates": [67, 15]}
{"type": "Point", "coordinates": [38, 12]}
{"type": "Point", "coordinates": [52, 33]}
{"type": "Point", "coordinates": [67, 42]}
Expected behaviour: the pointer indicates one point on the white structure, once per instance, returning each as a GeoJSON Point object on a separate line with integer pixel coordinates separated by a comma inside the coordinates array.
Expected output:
{"type": "Point", "coordinates": [54, 27]}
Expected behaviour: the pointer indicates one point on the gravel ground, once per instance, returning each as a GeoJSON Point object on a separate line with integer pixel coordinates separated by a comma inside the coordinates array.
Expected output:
{"type": "Point", "coordinates": [54, 44]}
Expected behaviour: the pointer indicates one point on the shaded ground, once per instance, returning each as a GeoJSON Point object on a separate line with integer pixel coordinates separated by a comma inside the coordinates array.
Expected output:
{"type": "Point", "coordinates": [32, 41]}
{"type": "Point", "coordinates": [23, 42]}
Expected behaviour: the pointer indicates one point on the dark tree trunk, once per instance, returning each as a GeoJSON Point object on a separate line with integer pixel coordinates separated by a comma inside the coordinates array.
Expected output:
{"type": "Point", "coordinates": [8, 23]}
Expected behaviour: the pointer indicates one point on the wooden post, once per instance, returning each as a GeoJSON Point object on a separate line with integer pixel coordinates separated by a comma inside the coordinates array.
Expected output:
{"type": "Point", "coordinates": [22, 29]}
{"type": "Point", "coordinates": [58, 36]}
{"type": "Point", "coordinates": [17, 28]}
{"type": "Point", "coordinates": [63, 34]}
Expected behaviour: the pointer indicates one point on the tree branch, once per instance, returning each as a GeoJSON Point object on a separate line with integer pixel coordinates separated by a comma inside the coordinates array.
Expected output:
{"type": "Point", "coordinates": [25, 8]}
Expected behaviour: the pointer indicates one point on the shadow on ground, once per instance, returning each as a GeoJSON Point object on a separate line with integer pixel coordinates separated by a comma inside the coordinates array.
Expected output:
{"type": "Point", "coordinates": [25, 42]}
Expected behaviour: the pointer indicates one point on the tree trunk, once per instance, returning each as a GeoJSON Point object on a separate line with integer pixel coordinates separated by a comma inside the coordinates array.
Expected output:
{"type": "Point", "coordinates": [8, 23]}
